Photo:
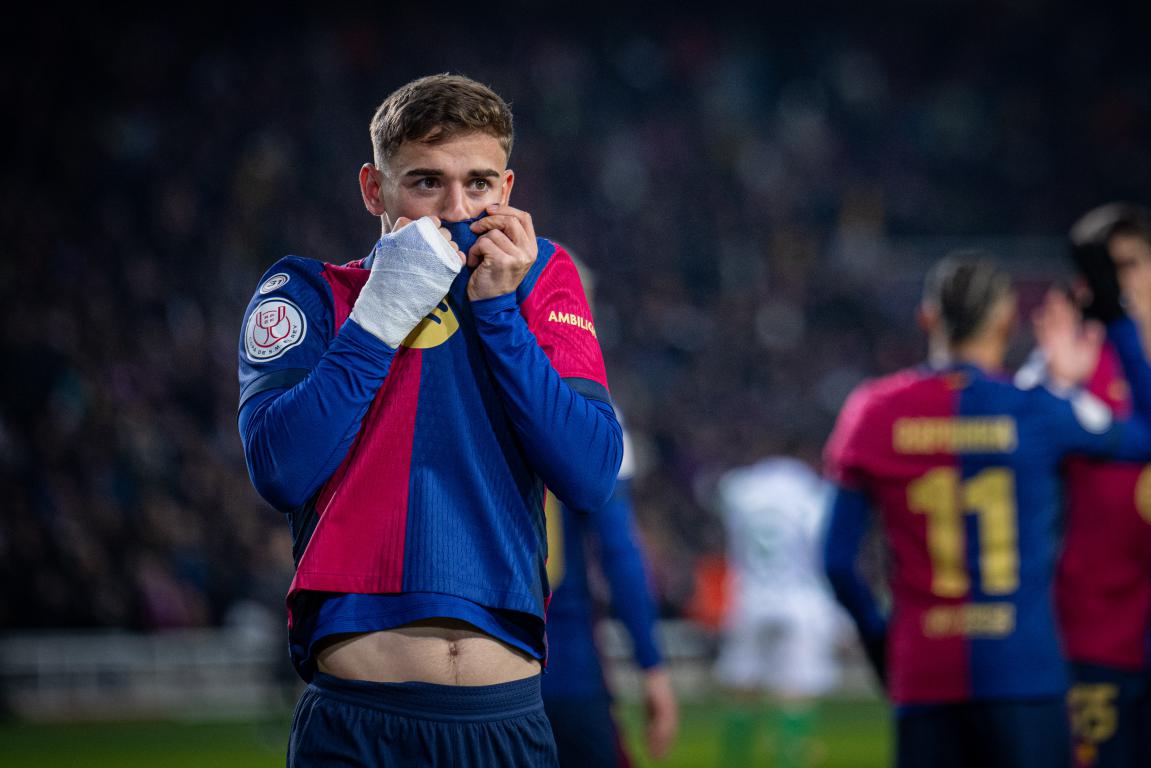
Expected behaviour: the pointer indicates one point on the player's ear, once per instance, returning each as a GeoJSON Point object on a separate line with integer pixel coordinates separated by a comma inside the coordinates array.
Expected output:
{"type": "Point", "coordinates": [509, 181]}
{"type": "Point", "coordinates": [927, 318]}
{"type": "Point", "coordinates": [371, 189]}
{"type": "Point", "coordinates": [1005, 313]}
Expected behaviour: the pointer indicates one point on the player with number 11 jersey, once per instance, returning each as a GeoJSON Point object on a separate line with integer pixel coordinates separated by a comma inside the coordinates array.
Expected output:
{"type": "Point", "coordinates": [963, 467]}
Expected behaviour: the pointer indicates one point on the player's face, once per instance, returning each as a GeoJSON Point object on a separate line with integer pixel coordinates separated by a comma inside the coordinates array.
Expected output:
{"type": "Point", "coordinates": [1132, 257]}
{"type": "Point", "coordinates": [453, 179]}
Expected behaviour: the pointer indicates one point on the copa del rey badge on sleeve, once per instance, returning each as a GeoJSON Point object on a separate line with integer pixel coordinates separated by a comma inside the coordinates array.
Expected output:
{"type": "Point", "coordinates": [274, 327]}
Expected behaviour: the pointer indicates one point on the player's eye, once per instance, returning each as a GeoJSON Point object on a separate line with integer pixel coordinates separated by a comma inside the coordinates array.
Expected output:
{"type": "Point", "coordinates": [481, 185]}
{"type": "Point", "coordinates": [427, 182]}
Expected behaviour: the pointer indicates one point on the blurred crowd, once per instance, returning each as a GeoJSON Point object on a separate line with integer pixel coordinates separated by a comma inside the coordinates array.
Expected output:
{"type": "Point", "coordinates": [736, 185]}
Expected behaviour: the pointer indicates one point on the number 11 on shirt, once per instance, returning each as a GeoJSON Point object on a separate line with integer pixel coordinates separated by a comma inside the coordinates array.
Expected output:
{"type": "Point", "coordinates": [945, 499]}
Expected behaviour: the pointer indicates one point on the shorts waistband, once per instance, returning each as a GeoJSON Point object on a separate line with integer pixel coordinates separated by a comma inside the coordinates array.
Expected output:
{"type": "Point", "coordinates": [431, 701]}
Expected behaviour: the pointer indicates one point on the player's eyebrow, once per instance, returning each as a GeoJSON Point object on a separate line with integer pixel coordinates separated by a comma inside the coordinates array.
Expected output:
{"type": "Point", "coordinates": [473, 174]}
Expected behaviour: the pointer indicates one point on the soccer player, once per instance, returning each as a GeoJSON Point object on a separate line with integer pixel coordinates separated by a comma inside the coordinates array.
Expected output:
{"type": "Point", "coordinates": [963, 469]}
{"type": "Point", "coordinates": [575, 692]}
{"type": "Point", "coordinates": [1103, 581]}
{"type": "Point", "coordinates": [405, 411]}
{"type": "Point", "coordinates": [780, 631]}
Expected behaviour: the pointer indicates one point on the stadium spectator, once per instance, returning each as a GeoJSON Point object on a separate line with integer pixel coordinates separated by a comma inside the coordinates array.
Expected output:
{"type": "Point", "coordinates": [575, 690]}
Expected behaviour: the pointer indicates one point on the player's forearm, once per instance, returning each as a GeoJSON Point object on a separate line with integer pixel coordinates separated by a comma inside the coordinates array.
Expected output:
{"type": "Point", "coordinates": [575, 443]}
{"type": "Point", "coordinates": [633, 605]}
{"type": "Point", "coordinates": [1124, 335]}
{"type": "Point", "coordinates": [849, 519]}
{"type": "Point", "coordinates": [295, 438]}
{"type": "Point", "coordinates": [1131, 440]}
{"type": "Point", "coordinates": [626, 574]}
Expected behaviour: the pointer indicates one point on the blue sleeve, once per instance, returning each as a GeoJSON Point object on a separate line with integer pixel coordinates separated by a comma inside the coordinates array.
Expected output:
{"type": "Point", "coordinates": [848, 523]}
{"type": "Point", "coordinates": [1124, 335]}
{"type": "Point", "coordinates": [303, 388]}
{"type": "Point", "coordinates": [575, 442]}
{"type": "Point", "coordinates": [294, 439]}
{"type": "Point", "coordinates": [1083, 424]}
{"type": "Point", "coordinates": [623, 566]}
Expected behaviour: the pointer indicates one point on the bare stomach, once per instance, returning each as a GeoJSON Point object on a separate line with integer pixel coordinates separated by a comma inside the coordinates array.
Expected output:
{"type": "Point", "coordinates": [443, 651]}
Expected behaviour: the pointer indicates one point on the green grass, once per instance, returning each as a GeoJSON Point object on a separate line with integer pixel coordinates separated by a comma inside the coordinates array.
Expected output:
{"type": "Point", "coordinates": [849, 733]}
{"type": "Point", "coordinates": [172, 745]}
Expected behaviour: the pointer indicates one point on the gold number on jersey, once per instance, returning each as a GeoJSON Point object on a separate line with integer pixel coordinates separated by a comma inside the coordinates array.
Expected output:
{"type": "Point", "coordinates": [1143, 494]}
{"type": "Point", "coordinates": [945, 499]}
{"type": "Point", "coordinates": [1094, 716]}
{"type": "Point", "coordinates": [553, 516]}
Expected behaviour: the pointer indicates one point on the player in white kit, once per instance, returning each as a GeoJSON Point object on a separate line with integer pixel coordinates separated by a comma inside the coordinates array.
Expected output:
{"type": "Point", "coordinates": [782, 623]}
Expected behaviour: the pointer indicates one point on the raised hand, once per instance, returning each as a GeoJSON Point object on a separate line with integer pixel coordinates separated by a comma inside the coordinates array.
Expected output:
{"type": "Point", "coordinates": [1070, 345]}
{"type": "Point", "coordinates": [414, 266]}
{"type": "Point", "coordinates": [402, 222]}
{"type": "Point", "coordinates": [503, 254]}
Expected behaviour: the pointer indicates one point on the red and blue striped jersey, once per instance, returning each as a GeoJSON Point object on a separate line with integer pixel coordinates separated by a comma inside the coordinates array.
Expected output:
{"type": "Point", "coordinates": [964, 470]}
{"type": "Point", "coordinates": [1103, 580]}
{"type": "Point", "coordinates": [434, 485]}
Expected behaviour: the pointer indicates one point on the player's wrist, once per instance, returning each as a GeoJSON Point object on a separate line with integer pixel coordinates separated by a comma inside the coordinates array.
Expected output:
{"type": "Point", "coordinates": [491, 306]}
{"type": "Point", "coordinates": [412, 270]}
{"type": "Point", "coordinates": [363, 339]}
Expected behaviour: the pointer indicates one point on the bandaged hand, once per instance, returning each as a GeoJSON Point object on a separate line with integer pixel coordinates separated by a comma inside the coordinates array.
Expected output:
{"type": "Point", "coordinates": [413, 268]}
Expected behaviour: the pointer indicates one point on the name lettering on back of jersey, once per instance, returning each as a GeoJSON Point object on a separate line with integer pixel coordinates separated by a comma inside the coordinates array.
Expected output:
{"type": "Point", "coordinates": [954, 435]}
{"type": "Point", "coordinates": [274, 327]}
{"type": "Point", "coordinates": [571, 318]}
{"type": "Point", "coordinates": [969, 620]}
{"type": "Point", "coordinates": [278, 280]}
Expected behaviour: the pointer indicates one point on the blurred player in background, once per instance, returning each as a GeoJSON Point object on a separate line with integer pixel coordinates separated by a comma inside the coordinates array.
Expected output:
{"type": "Point", "coordinates": [780, 632]}
{"type": "Point", "coordinates": [576, 696]}
{"type": "Point", "coordinates": [1103, 583]}
{"type": "Point", "coordinates": [405, 411]}
{"type": "Point", "coordinates": [575, 691]}
{"type": "Point", "coordinates": [963, 468]}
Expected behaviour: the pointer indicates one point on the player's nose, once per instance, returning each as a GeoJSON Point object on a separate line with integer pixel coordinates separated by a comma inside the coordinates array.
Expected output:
{"type": "Point", "coordinates": [455, 204]}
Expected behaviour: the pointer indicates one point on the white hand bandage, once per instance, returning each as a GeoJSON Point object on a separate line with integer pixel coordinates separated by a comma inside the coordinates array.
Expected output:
{"type": "Point", "coordinates": [412, 271]}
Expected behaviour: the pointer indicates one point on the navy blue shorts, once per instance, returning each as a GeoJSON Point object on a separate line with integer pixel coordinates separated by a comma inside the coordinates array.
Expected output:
{"type": "Point", "coordinates": [354, 722]}
{"type": "Point", "coordinates": [1109, 710]}
{"type": "Point", "coordinates": [1031, 733]}
{"type": "Point", "coordinates": [586, 733]}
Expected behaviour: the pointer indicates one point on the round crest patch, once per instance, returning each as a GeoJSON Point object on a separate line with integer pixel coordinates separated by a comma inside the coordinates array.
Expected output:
{"type": "Point", "coordinates": [274, 327]}
{"type": "Point", "coordinates": [278, 280]}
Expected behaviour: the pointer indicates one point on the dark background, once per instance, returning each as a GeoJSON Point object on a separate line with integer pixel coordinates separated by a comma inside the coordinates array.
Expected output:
{"type": "Point", "coordinates": [758, 196]}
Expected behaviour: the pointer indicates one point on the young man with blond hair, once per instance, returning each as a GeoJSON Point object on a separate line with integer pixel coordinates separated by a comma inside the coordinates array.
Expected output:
{"type": "Point", "coordinates": [406, 411]}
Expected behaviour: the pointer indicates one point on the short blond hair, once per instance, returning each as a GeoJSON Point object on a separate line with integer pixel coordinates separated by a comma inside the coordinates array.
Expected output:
{"type": "Point", "coordinates": [438, 107]}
